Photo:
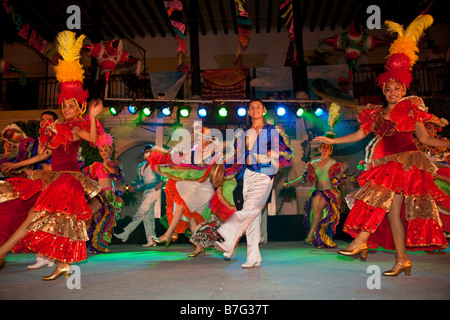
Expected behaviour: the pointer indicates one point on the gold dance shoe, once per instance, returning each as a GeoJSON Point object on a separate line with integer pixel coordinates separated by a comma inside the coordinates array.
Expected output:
{"type": "Point", "coordinates": [403, 267]}
{"type": "Point", "coordinates": [197, 252]}
{"type": "Point", "coordinates": [162, 240]}
{"type": "Point", "coordinates": [58, 273]}
{"type": "Point", "coordinates": [363, 249]}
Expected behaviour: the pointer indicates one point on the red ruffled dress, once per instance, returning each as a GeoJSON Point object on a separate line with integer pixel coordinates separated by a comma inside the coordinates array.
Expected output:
{"type": "Point", "coordinates": [58, 231]}
{"type": "Point", "coordinates": [396, 167]}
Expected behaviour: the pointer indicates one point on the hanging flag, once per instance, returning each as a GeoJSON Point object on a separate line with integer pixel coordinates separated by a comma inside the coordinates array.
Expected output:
{"type": "Point", "coordinates": [244, 24]}
{"type": "Point", "coordinates": [175, 13]}
{"type": "Point", "coordinates": [286, 14]}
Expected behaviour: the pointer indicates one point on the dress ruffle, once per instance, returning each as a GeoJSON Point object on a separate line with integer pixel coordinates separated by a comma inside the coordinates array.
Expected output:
{"type": "Point", "coordinates": [173, 197]}
{"type": "Point", "coordinates": [101, 230]}
{"type": "Point", "coordinates": [58, 231]}
{"type": "Point", "coordinates": [323, 236]}
{"type": "Point", "coordinates": [372, 201]}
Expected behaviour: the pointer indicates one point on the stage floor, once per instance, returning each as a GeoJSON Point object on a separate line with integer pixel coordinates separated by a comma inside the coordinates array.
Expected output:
{"type": "Point", "coordinates": [289, 271]}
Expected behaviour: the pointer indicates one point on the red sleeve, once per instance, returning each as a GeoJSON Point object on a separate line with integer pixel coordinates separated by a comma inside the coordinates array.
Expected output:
{"type": "Point", "coordinates": [402, 116]}
{"type": "Point", "coordinates": [367, 118]}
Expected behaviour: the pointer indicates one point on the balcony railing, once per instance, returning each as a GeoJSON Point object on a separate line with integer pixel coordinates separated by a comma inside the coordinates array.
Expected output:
{"type": "Point", "coordinates": [430, 79]}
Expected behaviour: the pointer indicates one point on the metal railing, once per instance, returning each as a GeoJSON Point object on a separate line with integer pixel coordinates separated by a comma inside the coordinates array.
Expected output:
{"type": "Point", "coordinates": [41, 93]}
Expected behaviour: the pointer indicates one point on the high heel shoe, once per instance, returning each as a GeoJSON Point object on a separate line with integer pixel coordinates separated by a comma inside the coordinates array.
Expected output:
{"type": "Point", "coordinates": [40, 262]}
{"type": "Point", "coordinates": [162, 240]}
{"type": "Point", "coordinates": [197, 252]}
{"type": "Point", "coordinates": [363, 249]}
{"type": "Point", "coordinates": [58, 273]}
{"type": "Point", "coordinates": [308, 241]}
{"type": "Point", "coordinates": [403, 267]}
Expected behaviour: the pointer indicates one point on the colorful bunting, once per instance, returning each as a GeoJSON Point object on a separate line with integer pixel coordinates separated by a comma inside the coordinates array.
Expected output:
{"type": "Point", "coordinates": [29, 35]}
{"type": "Point", "coordinates": [175, 13]}
{"type": "Point", "coordinates": [244, 23]}
{"type": "Point", "coordinates": [286, 13]}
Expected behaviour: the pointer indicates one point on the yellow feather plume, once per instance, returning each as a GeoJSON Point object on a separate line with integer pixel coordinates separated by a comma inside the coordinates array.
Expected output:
{"type": "Point", "coordinates": [394, 27]}
{"type": "Point", "coordinates": [69, 46]}
{"type": "Point", "coordinates": [416, 29]}
{"type": "Point", "coordinates": [407, 40]}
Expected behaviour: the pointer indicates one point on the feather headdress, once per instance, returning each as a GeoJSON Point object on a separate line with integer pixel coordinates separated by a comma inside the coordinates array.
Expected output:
{"type": "Point", "coordinates": [403, 52]}
{"type": "Point", "coordinates": [69, 71]}
{"type": "Point", "coordinates": [333, 119]}
{"type": "Point", "coordinates": [105, 139]}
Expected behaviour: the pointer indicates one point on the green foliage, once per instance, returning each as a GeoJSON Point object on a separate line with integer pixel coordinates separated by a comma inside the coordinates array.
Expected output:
{"type": "Point", "coordinates": [288, 193]}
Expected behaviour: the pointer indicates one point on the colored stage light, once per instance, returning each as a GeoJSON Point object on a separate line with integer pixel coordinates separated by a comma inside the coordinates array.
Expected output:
{"type": "Point", "coordinates": [184, 111]}
{"type": "Point", "coordinates": [202, 112]}
{"type": "Point", "coordinates": [281, 111]}
{"type": "Point", "coordinates": [318, 112]}
{"type": "Point", "coordinates": [132, 109]}
{"type": "Point", "coordinates": [242, 111]}
{"type": "Point", "coordinates": [147, 111]}
{"type": "Point", "coordinates": [300, 112]}
{"type": "Point", "coordinates": [167, 111]}
{"type": "Point", "coordinates": [115, 110]}
{"type": "Point", "coordinates": [223, 112]}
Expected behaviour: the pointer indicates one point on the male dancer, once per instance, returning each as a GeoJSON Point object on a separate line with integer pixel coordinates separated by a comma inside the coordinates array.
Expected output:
{"type": "Point", "coordinates": [149, 182]}
{"type": "Point", "coordinates": [264, 148]}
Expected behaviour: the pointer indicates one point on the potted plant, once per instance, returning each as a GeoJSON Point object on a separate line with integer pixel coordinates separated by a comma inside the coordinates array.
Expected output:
{"type": "Point", "coordinates": [287, 194]}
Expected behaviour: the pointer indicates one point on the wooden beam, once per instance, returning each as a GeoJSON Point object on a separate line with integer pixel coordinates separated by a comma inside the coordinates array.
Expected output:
{"type": "Point", "coordinates": [222, 15]}
{"type": "Point", "coordinates": [195, 49]}
{"type": "Point", "coordinates": [154, 18]}
{"type": "Point", "coordinates": [337, 14]}
{"type": "Point", "coordinates": [315, 14]}
{"type": "Point", "coordinates": [211, 17]}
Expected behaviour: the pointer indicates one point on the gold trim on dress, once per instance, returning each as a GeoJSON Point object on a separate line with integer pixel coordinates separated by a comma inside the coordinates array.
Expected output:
{"type": "Point", "coordinates": [60, 225]}
{"type": "Point", "coordinates": [91, 187]}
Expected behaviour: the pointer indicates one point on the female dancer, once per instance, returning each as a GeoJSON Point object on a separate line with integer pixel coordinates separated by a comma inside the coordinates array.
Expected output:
{"type": "Point", "coordinates": [43, 161]}
{"type": "Point", "coordinates": [398, 174]}
{"type": "Point", "coordinates": [55, 226]}
{"type": "Point", "coordinates": [188, 189]}
{"type": "Point", "coordinates": [322, 209]}
{"type": "Point", "coordinates": [441, 158]}
{"type": "Point", "coordinates": [106, 205]}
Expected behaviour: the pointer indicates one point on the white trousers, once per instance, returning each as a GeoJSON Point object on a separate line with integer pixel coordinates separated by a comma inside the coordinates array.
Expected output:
{"type": "Point", "coordinates": [256, 190]}
{"type": "Point", "coordinates": [151, 202]}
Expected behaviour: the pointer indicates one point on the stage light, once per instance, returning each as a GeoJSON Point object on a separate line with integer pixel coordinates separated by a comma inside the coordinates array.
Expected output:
{"type": "Point", "coordinates": [223, 112]}
{"type": "Point", "coordinates": [242, 111]}
{"type": "Point", "coordinates": [132, 109]}
{"type": "Point", "coordinates": [202, 112]}
{"type": "Point", "coordinates": [281, 111]}
{"type": "Point", "coordinates": [184, 111]}
{"type": "Point", "coordinates": [300, 112]}
{"type": "Point", "coordinates": [115, 110]}
{"type": "Point", "coordinates": [147, 111]}
{"type": "Point", "coordinates": [167, 111]}
{"type": "Point", "coordinates": [318, 112]}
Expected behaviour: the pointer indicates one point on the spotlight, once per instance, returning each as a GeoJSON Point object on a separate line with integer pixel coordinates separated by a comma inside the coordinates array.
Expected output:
{"type": "Point", "coordinates": [115, 110]}
{"type": "Point", "coordinates": [318, 112]}
{"type": "Point", "coordinates": [132, 108]}
{"type": "Point", "coordinates": [167, 111]}
{"type": "Point", "coordinates": [242, 111]}
{"type": "Point", "coordinates": [223, 112]}
{"type": "Point", "coordinates": [300, 112]}
{"type": "Point", "coordinates": [184, 111]}
{"type": "Point", "coordinates": [281, 111]}
{"type": "Point", "coordinates": [147, 111]}
{"type": "Point", "coordinates": [202, 112]}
